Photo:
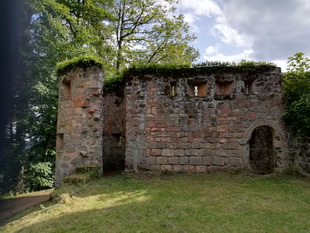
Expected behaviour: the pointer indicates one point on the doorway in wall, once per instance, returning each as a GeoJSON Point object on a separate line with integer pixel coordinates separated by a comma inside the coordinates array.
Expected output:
{"type": "Point", "coordinates": [262, 156]}
{"type": "Point", "coordinates": [113, 153]}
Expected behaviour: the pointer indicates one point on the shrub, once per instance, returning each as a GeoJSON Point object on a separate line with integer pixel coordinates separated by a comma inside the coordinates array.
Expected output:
{"type": "Point", "coordinates": [39, 176]}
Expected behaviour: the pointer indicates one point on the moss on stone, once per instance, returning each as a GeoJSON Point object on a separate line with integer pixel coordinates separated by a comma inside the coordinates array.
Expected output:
{"type": "Point", "coordinates": [78, 178]}
{"type": "Point", "coordinates": [84, 61]}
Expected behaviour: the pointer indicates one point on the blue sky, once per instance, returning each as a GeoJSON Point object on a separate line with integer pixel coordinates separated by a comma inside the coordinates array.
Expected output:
{"type": "Point", "coordinates": [261, 30]}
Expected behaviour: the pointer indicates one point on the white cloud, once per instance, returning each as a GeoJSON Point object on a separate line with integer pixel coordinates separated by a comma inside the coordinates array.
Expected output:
{"type": "Point", "coordinates": [190, 19]}
{"type": "Point", "coordinates": [231, 36]}
{"type": "Point", "coordinates": [211, 50]}
{"type": "Point", "coordinates": [268, 30]}
{"type": "Point", "coordinates": [244, 55]}
{"type": "Point", "coordinates": [201, 7]}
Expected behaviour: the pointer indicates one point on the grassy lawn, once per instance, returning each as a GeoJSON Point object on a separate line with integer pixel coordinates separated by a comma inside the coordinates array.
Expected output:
{"type": "Point", "coordinates": [216, 202]}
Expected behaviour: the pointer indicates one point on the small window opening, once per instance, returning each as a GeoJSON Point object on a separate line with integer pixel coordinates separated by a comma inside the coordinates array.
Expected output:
{"type": "Point", "coordinates": [173, 88]}
{"type": "Point", "coordinates": [197, 89]}
{"type": "Point", "coordinates": [224, 88]}
{"type": "Point", "coordinates": [66, 89]}
{"type": "Point", "coordinates": [60, 141]}
{"type": "Point", "coordinates": [248, 87]}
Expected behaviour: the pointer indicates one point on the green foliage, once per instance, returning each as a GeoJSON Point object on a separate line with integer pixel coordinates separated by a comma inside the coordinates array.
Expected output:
{"type": "Point", "coordinates": [206, 67]}
{"type": "Point", "coordinates": [84, 61]}
{"type": "Point", "coordinates": [114, 83]}
{"type": "Point", "coordinates": [254, 66]}
{"type": "Point", "coordinates": [39, 176]}
{"type": "Point", "coordinates": [150, 32]}
{"type": "Point", "coordinates": [297, 91]}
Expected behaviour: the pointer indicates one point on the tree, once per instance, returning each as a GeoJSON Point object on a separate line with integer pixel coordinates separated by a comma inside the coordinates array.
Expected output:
{"type": "Point", "coordinates": [297, 91]}
{"type": "Point", "coordinates": [119, 32]}
{"type": "Point", "coordinates": [147, 31]}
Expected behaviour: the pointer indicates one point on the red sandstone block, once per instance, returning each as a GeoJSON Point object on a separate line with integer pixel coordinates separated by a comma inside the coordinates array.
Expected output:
{"type": "Point", "coordinates": [197, 134]}
{"type": "Point", "coordinates": [165, 139]}
{"type": "Point", "coordinates": [69, 111]}
{"type": "Point", "coordinates": [155, 152]}
{"type": "Point", "coordinates": [252, 115]}
{"type": "Point", "coordinates": [91, 110]}
{"type": "Point", "coordinates": [225, 110]}
{"type": "Point", "coordinates": [80, 85]}
{"type": "Point", "coordinates": [80, 103]}
{"type": "Point", "coordinates": [199, 140]}
{"type": "Point", "coordinates": [190, 137]}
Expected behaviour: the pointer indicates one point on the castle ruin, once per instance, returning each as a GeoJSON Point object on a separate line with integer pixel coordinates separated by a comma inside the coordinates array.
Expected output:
{"type": "Point", "coordinates": [189, 120]}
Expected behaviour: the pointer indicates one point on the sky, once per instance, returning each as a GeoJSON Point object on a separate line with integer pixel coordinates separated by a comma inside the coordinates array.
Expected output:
{"type": "Point", "coordinates": [259, 30]}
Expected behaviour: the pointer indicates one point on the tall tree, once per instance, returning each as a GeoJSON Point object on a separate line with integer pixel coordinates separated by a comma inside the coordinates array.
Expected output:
{"type": "Point", "coordinates": [119, 32]}
{"type": "Point", "coordinates": [147, 31]}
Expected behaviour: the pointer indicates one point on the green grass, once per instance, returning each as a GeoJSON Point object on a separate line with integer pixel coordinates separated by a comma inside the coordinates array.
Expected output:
{"type": "Point", "coordinates": [216, 202]}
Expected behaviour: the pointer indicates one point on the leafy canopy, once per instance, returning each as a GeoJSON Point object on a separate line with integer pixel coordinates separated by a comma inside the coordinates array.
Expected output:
{"type": "Point", "coordinates": [297, 91]}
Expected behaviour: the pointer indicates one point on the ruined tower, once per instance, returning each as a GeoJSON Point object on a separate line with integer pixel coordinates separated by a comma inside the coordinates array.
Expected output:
{"type": "Point", "coordinates": [79, 126]}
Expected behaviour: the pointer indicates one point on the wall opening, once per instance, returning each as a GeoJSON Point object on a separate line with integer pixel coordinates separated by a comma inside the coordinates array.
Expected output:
{"type": "Point", "coordinates": [113, 153]}
{"type": "Point", "coordinates": [248, 87]}
{"type": "Point", "coordinates": [66, 89]}
{"type": "Point", "coordinates": [224, 87]}
{"type": "Point", "coordinates": [262, 156]}
{"type": "Point", "coordinates": [60, 141]}
{"type": "Point", "coordinates": [197, 89]}
{"type": "Point", "coordinates": [173, 89]}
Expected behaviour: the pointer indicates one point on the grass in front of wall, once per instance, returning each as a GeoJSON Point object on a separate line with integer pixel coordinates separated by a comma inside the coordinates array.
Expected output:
{"type": "Point", "coordinates": [216, 202]}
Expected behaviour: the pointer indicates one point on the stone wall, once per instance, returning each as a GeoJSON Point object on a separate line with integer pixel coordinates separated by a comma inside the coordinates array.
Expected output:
{"type": "Point", "coordinates": [201, 121]}
{"type": "Point", "coordinates": [191, 121]}
{"type": "Point", "coordinates": [80, 121]}
{"type": "Point", "coordinates": [300, 154]}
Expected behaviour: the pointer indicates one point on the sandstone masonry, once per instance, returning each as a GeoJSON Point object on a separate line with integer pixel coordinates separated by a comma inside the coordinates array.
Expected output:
{"type": "Point", "coordinates": [190, 120]}
{"type": "Point", "coordinates": [80, 121]}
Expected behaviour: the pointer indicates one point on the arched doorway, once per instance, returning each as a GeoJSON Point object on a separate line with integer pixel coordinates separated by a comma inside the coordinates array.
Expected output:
{"type": "Point", "coordinates": [262, 156]}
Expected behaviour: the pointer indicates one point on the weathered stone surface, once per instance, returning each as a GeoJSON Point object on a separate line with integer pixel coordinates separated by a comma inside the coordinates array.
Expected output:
{"type": "Point", "coordinates": [77, 142]}
{"type": "Point", "coordinates": [144, 127]}
{"type": "Point", "coordinates": [211, 129]}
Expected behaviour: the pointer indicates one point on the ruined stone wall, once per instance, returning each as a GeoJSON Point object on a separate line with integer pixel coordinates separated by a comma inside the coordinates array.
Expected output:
{"type": "Point", "coordinates": [199, 122]}
{"type": "Point", "coordinates": [113, 132]}
{"type": "Point", "coordinates": [80, 121]}
{"type": "Point", "coordinates": [300, 153]}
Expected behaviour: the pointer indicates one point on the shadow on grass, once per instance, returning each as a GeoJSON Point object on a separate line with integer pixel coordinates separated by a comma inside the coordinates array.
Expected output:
{"type": "Point", "coordinates": [11, 206]}
{"type": "Point", "coordinates": [185, 203]}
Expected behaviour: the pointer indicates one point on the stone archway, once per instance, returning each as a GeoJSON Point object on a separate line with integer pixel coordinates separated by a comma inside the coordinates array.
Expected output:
{"type": "Point", "coordinates": [262, 154]}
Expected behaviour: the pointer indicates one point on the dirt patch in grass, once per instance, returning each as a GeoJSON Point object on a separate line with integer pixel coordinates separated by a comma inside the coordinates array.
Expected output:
{"type": "Point", "coordinates": [11, 206]}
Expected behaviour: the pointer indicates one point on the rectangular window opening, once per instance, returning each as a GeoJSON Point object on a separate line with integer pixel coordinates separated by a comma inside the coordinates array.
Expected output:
{"type": "Point", "coordinates": [60, 141]}
{"type": "Point", "coordinates": [173, 89]}
{"type": "Point", "coordinates": [66, 89]}
{"type": "Point", "coordinates": [197, 89]}
{"type": "Point", "coordinates": [224, 88]}
{"type": "Point", "coordinates": [248, 87]}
